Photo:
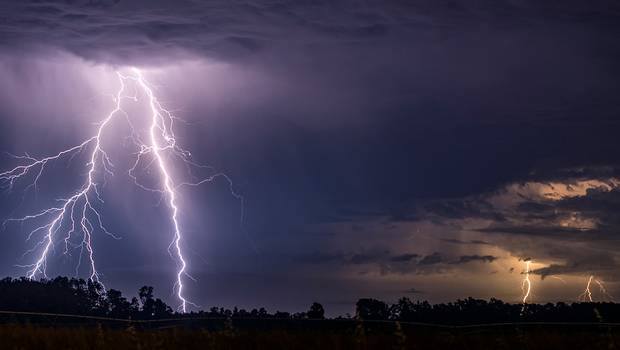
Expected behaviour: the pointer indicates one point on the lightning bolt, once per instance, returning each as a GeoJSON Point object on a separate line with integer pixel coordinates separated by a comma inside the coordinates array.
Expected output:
{"type": "Point", "coordinates": [586, 296]}
{"type": "Point", "coordinates": [603, 290]}
{"type": "Point", "coordinates": [526, 284]}
{"type": "Point", "coordinates": [82, 199]}
{"type": "Point", "coordinates": [79, 212]}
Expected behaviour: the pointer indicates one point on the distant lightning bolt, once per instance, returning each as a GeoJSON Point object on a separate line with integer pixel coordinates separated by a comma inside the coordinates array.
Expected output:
{"type": "Point", "coordinates": [78, 214]}
{"type": "Point", "coordinates": [526, 285]}
{"type": "Point", "coordinates": [586, 296]}
{"type": "Point", "coordinates": [603, 290]}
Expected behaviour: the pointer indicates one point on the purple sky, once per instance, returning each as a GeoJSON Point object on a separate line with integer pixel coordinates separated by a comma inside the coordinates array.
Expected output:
{"type": "Point", "coordinates": [384, 148]}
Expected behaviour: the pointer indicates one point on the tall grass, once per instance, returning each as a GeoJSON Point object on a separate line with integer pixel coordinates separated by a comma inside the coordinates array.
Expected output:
{"type": "Point", "coordinates": [19, 336]}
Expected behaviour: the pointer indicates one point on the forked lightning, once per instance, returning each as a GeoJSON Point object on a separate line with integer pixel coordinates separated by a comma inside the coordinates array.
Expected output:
{"type": "Point", "coordinates": [78, 214]}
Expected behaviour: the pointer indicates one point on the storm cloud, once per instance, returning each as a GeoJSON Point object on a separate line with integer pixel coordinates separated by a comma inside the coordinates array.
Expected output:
{"type": "Point", "coordinates": [123, 30]}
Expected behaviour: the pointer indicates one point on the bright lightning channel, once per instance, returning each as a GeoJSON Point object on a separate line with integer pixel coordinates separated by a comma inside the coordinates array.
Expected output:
{"type": "Point", "coordinates": [526, 284]}
{"type": "Point", "coordinates": [587, 294]}
{"type": "Point", "coordinates": [78, 213]}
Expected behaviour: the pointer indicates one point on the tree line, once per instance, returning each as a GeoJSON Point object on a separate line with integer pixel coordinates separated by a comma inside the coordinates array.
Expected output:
{"type": "Point", "coordinates": [80, 297]}
{"type": "Point", "coordinates": [72, 296]}
{"type": "Point", "coordinates": [477, 311]}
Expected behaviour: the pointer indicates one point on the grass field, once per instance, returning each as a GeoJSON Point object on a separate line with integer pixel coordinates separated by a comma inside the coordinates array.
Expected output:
{"type": "Point", "coordinates": [20, 336]}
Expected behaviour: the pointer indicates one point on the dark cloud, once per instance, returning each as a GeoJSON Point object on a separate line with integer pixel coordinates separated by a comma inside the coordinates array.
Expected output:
{"type": "Point", "coordinates": [458, 241]}
{"type": "Point", "coordinates": [406, 263]}
{"type": "Point", "coordinates": [535, 209]}
{"type": "Point", "coordinates": [127, 30]}
{"type": "Point", "coordinates": [600, 204]}
{"type": "Point", "coordinates": [386, 262]}
{"type": "Point", "coordinates": [367, 258]}
{"type": "Point", "coordinates": [432, 259]}
{"type": "Point", "coordinates": [479, 258]}
{"type": "Point", "coordinates": [568, 219]}
{"type": "Point", "coordinates": [602, 264]}
{"type": "Point", "coordinates": [560, 233]}
{"type": "Point", "coordinates": [404, 257]}
{"type": "Point", "coordinates": [460, 209]}
{"type": "Point", "coordinates": [371, 257]}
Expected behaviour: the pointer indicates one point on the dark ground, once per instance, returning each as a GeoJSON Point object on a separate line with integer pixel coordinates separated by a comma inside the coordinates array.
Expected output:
{"type": "Point", "coordinates": [354, 336]}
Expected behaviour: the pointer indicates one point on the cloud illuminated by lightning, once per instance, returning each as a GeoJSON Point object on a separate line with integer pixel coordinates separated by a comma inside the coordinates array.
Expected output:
{"type": "Point", "coordinates": [78, 212]}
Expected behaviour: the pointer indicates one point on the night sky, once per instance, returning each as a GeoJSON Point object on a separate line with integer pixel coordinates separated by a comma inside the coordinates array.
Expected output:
{"type": "Point", "coordinates": [383, 148]}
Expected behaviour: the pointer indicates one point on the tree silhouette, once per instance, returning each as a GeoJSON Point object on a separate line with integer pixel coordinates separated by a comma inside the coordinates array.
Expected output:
{"type": "Point", "coordinates": [78, 297]}
{"type": "Point", "coordinates": [316, 311]}
{"type": "Point", "coordinates": [119, 305]}
{"type": "Point", "coordinates": [372, 309]}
